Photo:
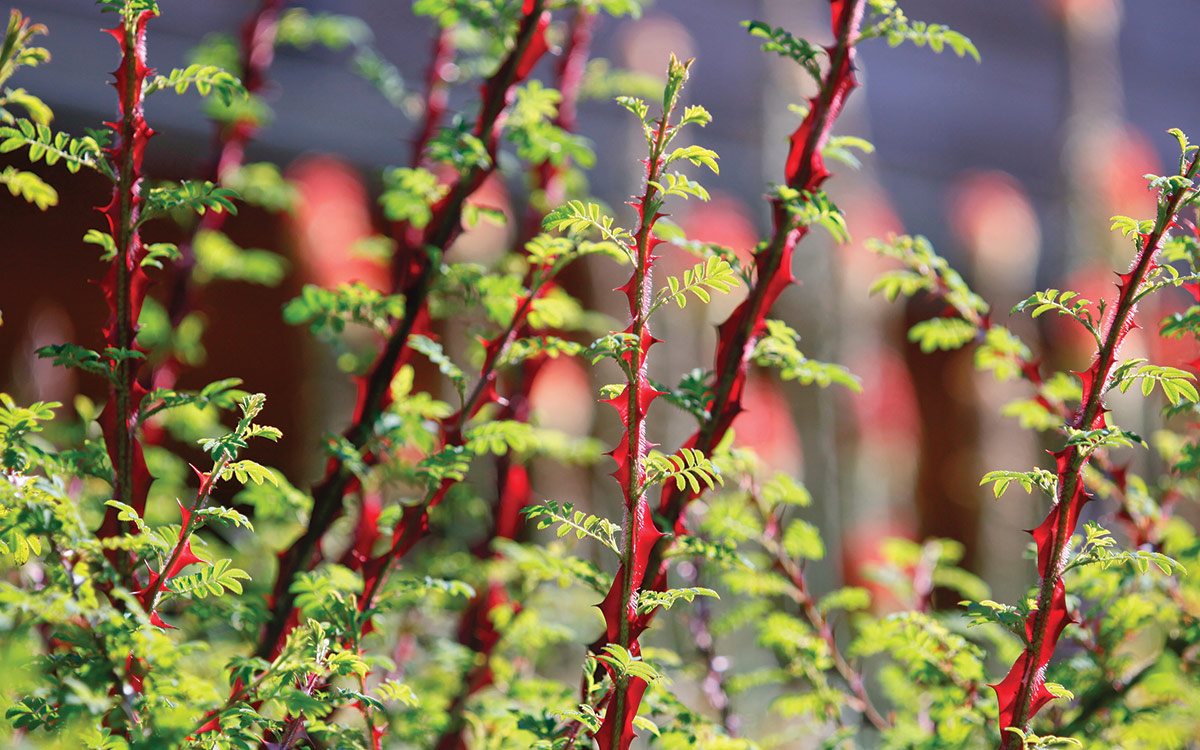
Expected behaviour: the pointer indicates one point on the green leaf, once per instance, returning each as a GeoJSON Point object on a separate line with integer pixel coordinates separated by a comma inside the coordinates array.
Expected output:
{"type": "Point", "coordinates": [53, 147]}
{"type": "Point", "coordinates": [649, 600]}
{"type": "Point", "coordinates": [127, 514]}
{"type": "Point", "coordinates": [942, 333]}
{"type": "Point", "coordinates": [1066, 303]}
{"type": "Point", "coordinates": [1047, 481]}
{"type": "Point", "coordinates": [223, 394]}
{"type": "Point", "coordinates": [30, 187]}
{"type": "Point", "coordinates": [849, 599]}
{"type": "Point", "coordinates": [625, 664]}
{"type": "Point", "coordinates": [675, 184]}
{"type": "Point", "coordinates": [327, 311]}
{"type": "Point", "coordinates": [227, 515]}
{"type": "Point", "coordinates": [409, 195]}
{"type": "Point", "coordinates": [808, 208]}
{"type": "Point", "coordinates": [1006, 616]}
{"type": "Point", "coordinates": [925, 271]}
{"type": "Point", "coordinates": [634, 105]}
{"type": "Point", "coordinates": [1002, 352]}
{"type": "Point", "coordinates": [107, 244]}
{"type": "Point", "coordinates": [549, 513]}
{"type": "Point", "coordinates": [190, 195]}
{"type": "Point", "coordinates": [100, 363]}
{"type": "Point", "coordinates": [216, 579]}
{"type": "Point", "coordinates": [217, 257]}
{"type": "Point", "coordinates": [208, 79]}
{"type": "Point", "coordinates": [696, 155]}
{"type": "Point", "coordinates": [783, 489]}
{"type": "Point", "coordinates": [394, 690]}
{"type": "Point", "coordinates": [1177, 385]}
{"type": "Point", "coordinates": [778, 349]}
{"type": "Point", "coordinates": [802, 540]}
{"type": "Point", "coordinates": [157, 252]}
{"type": "Point", "coordinates": [433, 350]}
{"type": "Point", "coordinates": [451, 462]}
{"type": "Point", "coordinates": [839, 147]}
{"type": "Point", "coordinates": [246, 471]}
{"type": "Point", "coordinates": [782, 42]}
{"type": "Point", "coordinates": [689, 468]}
{"type": "Point", "coordinates": [713, 274]}
{"type": "Point", "coordinates": [579, 217]}
{"type": "Point", "coordinates": [302, 28]}
{"type": "Point", "coordinates": [896, 28]}
{"type": "Point", "coordinates": [695, 114]}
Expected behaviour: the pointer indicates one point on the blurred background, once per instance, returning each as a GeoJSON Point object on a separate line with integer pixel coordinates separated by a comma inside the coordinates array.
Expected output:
{"type": "Point", "coordinates": [1011, 167]}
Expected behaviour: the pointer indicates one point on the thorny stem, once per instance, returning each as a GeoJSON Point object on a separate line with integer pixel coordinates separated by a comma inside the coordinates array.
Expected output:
{"type": "Point", "coordinates": [296, 724]}
{"type": "Point", "coordinates": [768, 265]}
{"type": "Point", "coordinates": [327, 497]}
{"type": "Point", "coordinates": [1068, 479]}
{"type": "Point", "coordinates": [452, 434]}
{"type": "Point", "coordinates": [637, 381]}
{"type": "Point", "coordinates": [127, 185]}
{"type": "Point", "coordinates": [768, 260]}
{"type": "Point", "coordinates": [155, 589]}
{"type": "Point", "coordinates": [1028, 366]}
{"type": "Point", "coordinates": [1029, 370]}
{"type": "Point", "coordinates": [413, 531]}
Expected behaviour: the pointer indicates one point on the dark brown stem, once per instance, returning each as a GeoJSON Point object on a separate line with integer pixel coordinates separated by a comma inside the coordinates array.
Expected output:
{"type": "Point", "coordinates": [127, 185]}
{"type": "Point", "coordinates": [444, 227]}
